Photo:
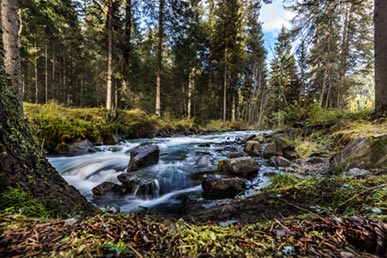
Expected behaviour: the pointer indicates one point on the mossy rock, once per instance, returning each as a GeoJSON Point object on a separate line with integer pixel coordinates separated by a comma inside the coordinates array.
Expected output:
{"type": "Point", "coordinates": [364, 153]}
{"type": "Point", "coordinates": [62, 148]}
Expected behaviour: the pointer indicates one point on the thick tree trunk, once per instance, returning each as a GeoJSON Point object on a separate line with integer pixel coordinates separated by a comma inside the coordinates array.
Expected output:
{"type": "Point", "coordinates": [23, 166]}
{"type": "Point", "coordinates": [10, 27]}
{"type": "Point", "coordinates": [380, 19]}
{"type": "Point", "coordinates": [159, 57]}
{"type": "Point", "coordinates": [109, 56]}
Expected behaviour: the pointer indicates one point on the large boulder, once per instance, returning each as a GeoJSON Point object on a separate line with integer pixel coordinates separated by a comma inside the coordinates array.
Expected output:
{"type": "Point", "coordinates": [140, 185]}
{"type": "Point", "coordinates": [363, 153]}
{"type": "Point", "coordinates": [108, 188]}
{"type": "Point", "coordinates": [221, 188]}
{"type": "Point", "coordinates": [239, 166]}
{"type": "Point", "coordinates": [143, 156]}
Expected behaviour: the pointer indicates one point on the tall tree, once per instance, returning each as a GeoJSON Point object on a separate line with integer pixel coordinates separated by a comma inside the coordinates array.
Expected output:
{"type": "Point", "coordinates": [283, 73]}
{"type": "Point", "coordinates": [109, 28]}
{"type": "Point", "coordinates": [22, 164]}
{"type": "Point", "coordinates": [380, 19]}
{"type": "Point", "coordinates": [10, 27]}
{"type": "Point", "coordinates": [159, 60]}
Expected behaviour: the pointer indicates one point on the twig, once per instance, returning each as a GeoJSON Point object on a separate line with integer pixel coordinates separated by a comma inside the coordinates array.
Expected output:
{"type": "Point", "coordinates": [358, 194]}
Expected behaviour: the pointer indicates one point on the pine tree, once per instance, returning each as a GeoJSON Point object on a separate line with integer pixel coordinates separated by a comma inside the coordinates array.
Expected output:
{"type": "Point", "coordinates": [284, 81]}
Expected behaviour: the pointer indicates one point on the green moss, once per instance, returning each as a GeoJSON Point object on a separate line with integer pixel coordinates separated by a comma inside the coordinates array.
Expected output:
{"type": "Point", "coordinates": [52, 124]}
{"type": "Point", "coordinates": [345, 195]}
{"type": "Point", "coordinates": [16, 200]}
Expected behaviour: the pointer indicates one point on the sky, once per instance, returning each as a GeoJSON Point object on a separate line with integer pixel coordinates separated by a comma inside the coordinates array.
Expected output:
{"type": "Point", "coordinates": [273, 16]}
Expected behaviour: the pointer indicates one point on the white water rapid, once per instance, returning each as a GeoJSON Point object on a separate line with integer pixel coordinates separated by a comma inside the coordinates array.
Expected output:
{"type": "Point", "coordinates": [184, 160]}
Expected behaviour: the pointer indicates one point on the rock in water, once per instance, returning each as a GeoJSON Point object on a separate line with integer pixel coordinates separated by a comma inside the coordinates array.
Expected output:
{"type": "Point", "coordinates": [221, 188]}
{"type": "Point", "coordinates": [363, 153]}
{"type": "Point", "coordinates": [240, 166]}
{"type": "Point", "coordinates": [106, 188]}
{"type": "Point", "coordinates": [143, 156]}
{"type": "Point", "coordinates": [140, 185]}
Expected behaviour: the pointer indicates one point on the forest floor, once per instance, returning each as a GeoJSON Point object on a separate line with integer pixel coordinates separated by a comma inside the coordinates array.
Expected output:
{"type": "Point", "coordinates": [301, 214]}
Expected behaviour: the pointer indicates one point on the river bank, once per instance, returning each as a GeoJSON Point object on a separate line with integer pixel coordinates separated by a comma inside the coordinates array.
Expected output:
{"type": "Point", "coordinates": [307, 211]}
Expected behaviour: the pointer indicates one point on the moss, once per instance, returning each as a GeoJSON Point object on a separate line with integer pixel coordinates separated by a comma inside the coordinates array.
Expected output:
{"type": "Point", "coordinates": [52, 124]}
{"type": "Point", "coordinates": [16, 200]}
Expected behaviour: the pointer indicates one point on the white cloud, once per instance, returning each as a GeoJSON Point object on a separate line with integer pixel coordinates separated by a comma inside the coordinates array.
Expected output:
{"type": "Point", "coordinates": [274, 16]}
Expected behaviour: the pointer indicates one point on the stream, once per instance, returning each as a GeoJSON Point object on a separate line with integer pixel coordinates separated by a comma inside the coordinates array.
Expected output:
{"type": "Point", "coordinates": [184, 162]}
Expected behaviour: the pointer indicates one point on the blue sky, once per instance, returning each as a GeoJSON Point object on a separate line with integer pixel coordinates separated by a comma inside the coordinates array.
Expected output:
{"type": "Point", "coordinates": [273, 16]}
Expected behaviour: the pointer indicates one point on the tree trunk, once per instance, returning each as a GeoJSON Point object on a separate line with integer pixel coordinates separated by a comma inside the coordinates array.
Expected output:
{"type": "Point", "coordinates": [53, 77]}
{"type": "Point", "coordinates": [109, 56]}
{"type": "Point", "coordinates": [36, 78]}
{"type": "Point", "coordinates": [225, 87]}
{"type": "Point", "coordinates": [46, 75]}
{"type": "Point", "coordinates": [128, 31]}
{"type": "Point", "coordinates": [10, 27]}
{"type": "Point", "coordinates": [159, 57]}
{"type": "Point", "coordinates": [22, 165]}
{"type": "Point", "coordinates": [380, 20]}
{"type": "Point", "coordinates": [191, 85]}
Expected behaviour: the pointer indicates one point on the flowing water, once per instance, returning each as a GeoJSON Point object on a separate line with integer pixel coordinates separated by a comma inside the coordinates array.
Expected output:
{"type": "Point", "coordinates": [175, 180]}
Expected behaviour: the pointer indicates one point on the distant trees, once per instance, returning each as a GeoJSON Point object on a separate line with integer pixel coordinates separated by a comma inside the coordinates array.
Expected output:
{"type": "Point", "coordinates": [196, 58]}
{"type": "Point", "coordinates": [338, 35]}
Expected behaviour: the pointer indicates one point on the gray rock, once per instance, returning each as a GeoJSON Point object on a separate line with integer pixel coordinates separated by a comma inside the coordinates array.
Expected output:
{"type": "Point", "coordinates": [248, 138]}
{"type": "Point", "coordinates": [240, 166]}
{"type": "Point", "coordinates": [279, 161]}
{"type": "Point", "coordinates": [140, 185]}
{"type": "Point", "coordinates": [363, 153]}
{"type": "Point", "coordinates": [290, 154]}
{"type": "Point", "coordinates": [203, 161]}
{"type": "Point", "coordinates": [356, 172]}
{"type": "Point", "coordinates": [221, 188]}
{"type": "Point", "coordinates": [108, 188]}
{"type": "Point", "coordinates": [81, 147]}
{"type": "Point", "coordinates": [143, 156]}
{"type": "Point", "coordinates": [283, 143]}
{"type": "Point", "coordinates": [269, 150]}
{"type": "Point", "coordinates": [253, 147]}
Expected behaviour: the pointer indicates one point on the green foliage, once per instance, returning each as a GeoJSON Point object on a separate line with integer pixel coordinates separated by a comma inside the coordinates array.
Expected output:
{"type": "Point", "coordinates": [17, 200]}
{"type": "Point", "coordinates": [314, 114]}
{"type": "Point", "coordinates": [55, 126]}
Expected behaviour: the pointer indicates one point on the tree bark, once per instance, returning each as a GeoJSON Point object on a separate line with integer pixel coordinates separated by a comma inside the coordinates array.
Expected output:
{"type": "Point", "coordinates": [380, 19]}
{"type": "Point", "coordinates": [159, 57]}
{"type": "Point", "coordinates": [128, 31]}
{"type": "Point", "coordinates": [36, 78]}
{"type": "Point", "coordinates": [46, 75]}
{"type": "Point", "coordinates": [22, 165]}
{"type": "Point", "coordinates": [109, 56]}
{"type": "Point", "coordinates": [10, 27]}
{"type": "Point", "coordinates": [191, 85]}
{"type": "Point", "coordinates": [225, 86]}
